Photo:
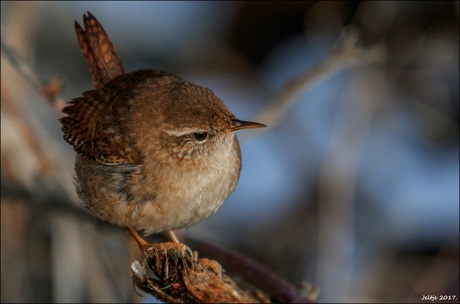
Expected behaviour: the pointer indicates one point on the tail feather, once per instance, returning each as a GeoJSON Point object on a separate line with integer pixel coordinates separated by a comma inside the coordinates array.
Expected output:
{"type": "Point", "coordinates": [98, 49]}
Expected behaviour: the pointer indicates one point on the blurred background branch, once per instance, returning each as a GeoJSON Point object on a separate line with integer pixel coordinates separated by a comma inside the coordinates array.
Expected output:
{"type": "Point", "coordinates": [346, 54]}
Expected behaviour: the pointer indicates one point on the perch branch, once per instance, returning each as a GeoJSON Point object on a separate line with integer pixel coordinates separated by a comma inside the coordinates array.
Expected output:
{"type": "Point", "coordinates": [179, 277]}
{"type": "Point", "coordinates": [259, 275]}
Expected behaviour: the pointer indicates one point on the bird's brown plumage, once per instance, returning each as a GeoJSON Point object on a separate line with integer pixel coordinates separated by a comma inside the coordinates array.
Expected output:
{"type": "Point", "coordinates": [140, 163]}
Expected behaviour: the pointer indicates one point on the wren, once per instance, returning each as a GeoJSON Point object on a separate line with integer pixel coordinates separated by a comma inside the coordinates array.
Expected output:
{"type": "Point", "coordinates": [155, 152]}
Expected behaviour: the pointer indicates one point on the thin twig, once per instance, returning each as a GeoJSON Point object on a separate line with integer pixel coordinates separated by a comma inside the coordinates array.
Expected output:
{"type": "Point", "coordinates": [345, 54]}
{"type": "Point", "coordinates": [49, 90]}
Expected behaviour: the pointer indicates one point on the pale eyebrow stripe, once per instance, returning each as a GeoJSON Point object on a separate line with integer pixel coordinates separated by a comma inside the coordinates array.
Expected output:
{"type": "Point", "coordinates": [182, 132]}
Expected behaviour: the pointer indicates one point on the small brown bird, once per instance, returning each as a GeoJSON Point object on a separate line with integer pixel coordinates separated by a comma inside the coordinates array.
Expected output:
{"type": "Point", "coordinates": [154, 152]}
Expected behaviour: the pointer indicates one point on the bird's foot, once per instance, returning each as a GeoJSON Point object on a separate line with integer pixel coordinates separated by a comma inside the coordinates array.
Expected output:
{"type": "Point", "coordinates": [212, 265]}
{"type": "Point", "coordinates": [177, 250]}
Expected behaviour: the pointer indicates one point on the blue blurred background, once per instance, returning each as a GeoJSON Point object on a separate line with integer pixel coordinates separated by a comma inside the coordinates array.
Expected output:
{"type": "Point", "coordinates": [356, 190]}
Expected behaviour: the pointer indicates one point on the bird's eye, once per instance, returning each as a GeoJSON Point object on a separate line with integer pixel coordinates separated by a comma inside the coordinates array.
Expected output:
{"type": "Point", "coordinates": [200, 136]}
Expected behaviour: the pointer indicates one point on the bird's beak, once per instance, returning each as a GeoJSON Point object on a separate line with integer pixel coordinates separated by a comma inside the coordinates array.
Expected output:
{"type": "Point", "coordinates": [240, 124]}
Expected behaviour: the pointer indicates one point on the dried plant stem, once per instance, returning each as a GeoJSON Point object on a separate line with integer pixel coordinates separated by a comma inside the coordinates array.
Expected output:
{"type": "Point", "coordinates": [257, 274]}
{"type": "Point", "coordinates": [179, 277]}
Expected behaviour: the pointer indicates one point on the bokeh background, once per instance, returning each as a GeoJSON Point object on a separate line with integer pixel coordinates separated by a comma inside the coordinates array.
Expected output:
{"type": "Point", "coordinates": [356, 190]}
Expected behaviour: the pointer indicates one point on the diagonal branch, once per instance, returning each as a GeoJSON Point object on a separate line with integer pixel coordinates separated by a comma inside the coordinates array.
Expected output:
{"type": "Point", "coordinates": [346, 54]}
{"type": "Point", "coordinates": [51, 91]}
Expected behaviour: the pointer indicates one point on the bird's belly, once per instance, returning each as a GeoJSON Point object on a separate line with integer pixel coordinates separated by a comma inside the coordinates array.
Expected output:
{"type": "Point", "coordinates": [190, 199]}
{"type": "Point", "coordinates": [179, 201]}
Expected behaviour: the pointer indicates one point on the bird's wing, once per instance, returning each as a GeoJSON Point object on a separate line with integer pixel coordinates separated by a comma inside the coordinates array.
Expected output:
{"type": "Point", "coordinates": [92, 128]}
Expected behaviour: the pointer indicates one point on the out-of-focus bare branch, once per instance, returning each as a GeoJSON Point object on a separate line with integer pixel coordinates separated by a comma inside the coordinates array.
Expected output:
{"type": "Point", "coordinates": [346, 53]}
{"type": "Point", "coordinates": [51, 91]}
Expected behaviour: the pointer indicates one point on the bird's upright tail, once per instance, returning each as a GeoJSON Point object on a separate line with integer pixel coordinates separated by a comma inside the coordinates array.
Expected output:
{"type": "Point", "coordinates": [98, 49]}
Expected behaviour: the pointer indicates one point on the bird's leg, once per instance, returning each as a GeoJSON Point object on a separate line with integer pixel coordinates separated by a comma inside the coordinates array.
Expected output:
{"type": "Point", "coordinates": [143, 245]}
{"type": "Point", "coordinates": [174, 245]}
{"type": "Point", "coordinates": [172, 236]}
